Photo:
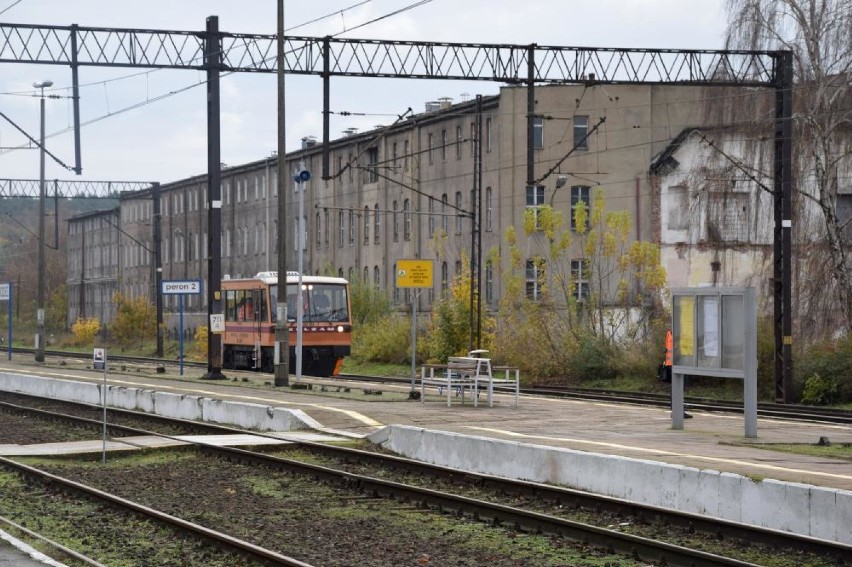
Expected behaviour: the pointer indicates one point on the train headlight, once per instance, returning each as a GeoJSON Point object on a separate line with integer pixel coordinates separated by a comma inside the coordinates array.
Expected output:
{"type": "Point", "coordinates": [340, 328]}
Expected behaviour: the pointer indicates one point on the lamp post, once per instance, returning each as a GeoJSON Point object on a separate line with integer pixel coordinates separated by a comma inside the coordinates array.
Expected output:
{"type": "Point", "coordinates": [39, 350]}
{"type": "Point", "coordinates": [301, 179]}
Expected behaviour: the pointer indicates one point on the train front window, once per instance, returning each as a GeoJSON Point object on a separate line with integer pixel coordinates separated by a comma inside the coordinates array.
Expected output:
{"type": "Point", "coordinates": [320, 303]}
{"type": "Point", "coordinates": [273, 302]}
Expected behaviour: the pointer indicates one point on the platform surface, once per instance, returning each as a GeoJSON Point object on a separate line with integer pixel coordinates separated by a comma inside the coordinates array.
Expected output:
{"type": "Point", "coordinates": [708, 441]}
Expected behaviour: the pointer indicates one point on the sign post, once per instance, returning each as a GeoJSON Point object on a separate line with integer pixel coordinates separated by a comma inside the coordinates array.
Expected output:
{"type": "Point", "coordinates": [99, 362]}
{"type": "Point", "coordinates": [414, 274]}
{"type": "Point", "coordinates": [181, 288]}
{"type": "Point", "coordinates": [715, 334]}
{"type": "Point", "coordinates": [6, 295]}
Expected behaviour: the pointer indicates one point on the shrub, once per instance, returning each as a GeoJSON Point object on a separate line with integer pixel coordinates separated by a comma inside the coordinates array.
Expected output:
{"type": "Point", "coordinates": [821, 391]}
{"type": "Point", "coordinates": [85, 330]}
{"type": "Point", "coordinates": [135, 321]}
{"type": "Point", "coordinates": [385, 340]}
{"type": "Point", "coordinates": [594, 358]}
{"type": "Point", "coordinates": [198, 349]}
{"type": "Point", "coordinates": [830, 360]}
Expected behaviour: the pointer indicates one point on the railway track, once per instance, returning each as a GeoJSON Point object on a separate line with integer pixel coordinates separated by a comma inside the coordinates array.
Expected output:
{"type": "Point", "coordinates": [449, 502]}
{"type": "Point", "coordinates": [240, 546]}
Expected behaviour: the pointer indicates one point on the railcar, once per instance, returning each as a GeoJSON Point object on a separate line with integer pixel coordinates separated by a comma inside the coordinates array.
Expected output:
{"type": "Point", "coordinates": [251, 318]}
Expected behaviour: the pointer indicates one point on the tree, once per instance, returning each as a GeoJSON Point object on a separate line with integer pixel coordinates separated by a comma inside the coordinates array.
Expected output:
{"type": "Point", "coordinates": [583, 289]}
{"type": "Point", "coordinates": [819, 34]}
{"type": "Point", "coordinates": [135, 321]}
{"type": "Point", "coordinates": [449, 329]}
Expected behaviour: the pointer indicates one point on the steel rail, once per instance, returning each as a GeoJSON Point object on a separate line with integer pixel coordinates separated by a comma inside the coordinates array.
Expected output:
{"type": "Point", "coordinates": [231, 542]}
{"type": "Point", "coordinates": [724, 529]}
{"type": "Point", "coordinates": [53, 544]}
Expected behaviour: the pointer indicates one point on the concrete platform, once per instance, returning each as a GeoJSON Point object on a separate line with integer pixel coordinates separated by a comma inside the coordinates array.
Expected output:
{"type": "Point", "coordinates": [153, 442]}
{"type": "Point", "coordinates": [16, 553]}
{"type": "Point", "coordinates": [626, 451]}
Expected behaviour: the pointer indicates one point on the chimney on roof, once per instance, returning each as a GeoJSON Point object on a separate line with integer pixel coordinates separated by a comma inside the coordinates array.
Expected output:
{"type": "Point", "coordinates": [350, 131]}
{"type": "Point", "coordinates": [309, 142]}
{"type": "Point", "coordinates": [445, 102]}
{"type": "Point", "coordinates": [433, 106]}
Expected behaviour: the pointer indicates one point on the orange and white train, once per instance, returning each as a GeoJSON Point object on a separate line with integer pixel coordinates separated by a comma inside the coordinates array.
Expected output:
{"type": "Point", "coordinates": [251, 318]}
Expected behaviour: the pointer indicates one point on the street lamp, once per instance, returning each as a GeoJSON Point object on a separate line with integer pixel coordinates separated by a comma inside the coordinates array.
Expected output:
{"type": "Point", "coordinates": [39, 339]}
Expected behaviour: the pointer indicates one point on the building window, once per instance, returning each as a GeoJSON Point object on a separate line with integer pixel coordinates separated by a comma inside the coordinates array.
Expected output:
{"type": "Point", "coordinates": [538, 132]}
{"type": "Point", "coordinates": [489, 281]}
{"type": "Point", "coordinates": [579, 279]}
{"type": "Point", "coordinates": [431, 146]}
{"type": "Point", "coordinates": [366, 225]}
{"type": "Point", "coordinates": [489, 210]}
{"type": "Point", "coordinates": [844, 214]}
{"type": "Point", "coordinates": [458, 142]}
{"type": "Point", "coordinates": [678, 209]}
{"type": "Point", "coordinates": [581, 130]}
{"type": "Point", "coordinates": [445, 278]}
{"type": "Point", "coordinates": [377, 277]}
{"type": "Point", "coordinates": [534, 278]}
{"type": "Point", "coordinates": [406, 212]}
{"type": "Point", "coordinates": [350, 165]}
{"type": "Point", "coordinates": [372, 165]}
{"type": "Point", "coordinates": [393, 155]}
{"type": "Point", "coordinates": [443, 145]}
{"type": "Point", "coordinates": [377, 224]}
{"type": "Point", "coordinates": [366, 275]}
{"type": "Point", "coordinates": [405, 155]}
{"type": "Point", "coordinates": [487, 134]}
{"type": "Point", "coordinates": [535, 200]}
{"type": "Point", "coordinates": [327, 227]}
{"type": "Point", "coordinates": [431, 217]}
{"type": "Point", "coordinates": [473, 139]}
{"type": "Point", "coordinates": [351, 228]}
{"type": "Point", "coordinates": [340, 229]}
{"type": "Point", "coordinates": [459, 218]}
{"type": "Point", "coordinates": [458, 270]}
{"type": "Point", "coordinates": [339, 272]}
{"type": "Point", "coordinates": [319, 230]}
{"type": "Point", "coordinates": [395, 222]}
{"type": "Point", "coordinates": [727, 216]}
{"type": "Point", "coordinates": [395, 287]}
{"type": "Point", "coordinates": [445, 220]}
{"type": "Point", "coordinates": [579, 194]}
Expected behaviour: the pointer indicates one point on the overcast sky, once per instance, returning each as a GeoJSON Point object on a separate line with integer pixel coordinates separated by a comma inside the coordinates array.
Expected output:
{"type": "Point", "coordinates": [166, 140]}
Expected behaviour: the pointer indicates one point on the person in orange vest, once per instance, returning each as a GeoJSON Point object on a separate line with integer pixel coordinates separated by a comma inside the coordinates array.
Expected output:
{"type": "Point", "coordinates": [665, 370]}
{"type": "Point", "coordinates": [666, 366]}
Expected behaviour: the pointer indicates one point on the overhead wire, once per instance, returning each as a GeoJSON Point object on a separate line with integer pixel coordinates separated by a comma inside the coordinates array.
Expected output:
{"type": "Point", "coordinates": [203, 81]}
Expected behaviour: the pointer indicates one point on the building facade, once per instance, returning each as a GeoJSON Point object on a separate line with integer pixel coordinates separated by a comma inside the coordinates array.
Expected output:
{"type": "Point", "coordinates": [406, 191]}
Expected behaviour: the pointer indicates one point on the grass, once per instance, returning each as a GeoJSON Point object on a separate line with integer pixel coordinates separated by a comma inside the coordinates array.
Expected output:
{"type": "Point", "coordinates": [365, 368]}
{"type": "Point", "coordinates": [840, 451]}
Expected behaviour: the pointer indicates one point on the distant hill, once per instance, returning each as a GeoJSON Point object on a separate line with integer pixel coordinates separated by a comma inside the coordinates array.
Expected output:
{"type": "Point", "coordinates": [19, 220]}
{"type": "Point", "coordinates": [16, 212]}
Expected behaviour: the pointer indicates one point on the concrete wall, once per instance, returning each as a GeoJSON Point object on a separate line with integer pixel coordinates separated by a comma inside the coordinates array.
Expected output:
{"type": "Point", "coordinates": [251, 416]}
{"type": "Point", "coordinates": [814, 511]}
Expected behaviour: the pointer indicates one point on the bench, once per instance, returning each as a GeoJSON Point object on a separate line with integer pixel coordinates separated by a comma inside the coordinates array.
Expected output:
{"type": "Point", "coordinates": [467, 373]}
{"type": "Point", "coordinates": [458, 374]}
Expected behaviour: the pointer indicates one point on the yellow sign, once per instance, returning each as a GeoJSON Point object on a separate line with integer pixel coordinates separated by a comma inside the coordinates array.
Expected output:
{"type": "Point", "coordinates": [687, 335]}
{"type": "Point", "coordinates": [414, 273]}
